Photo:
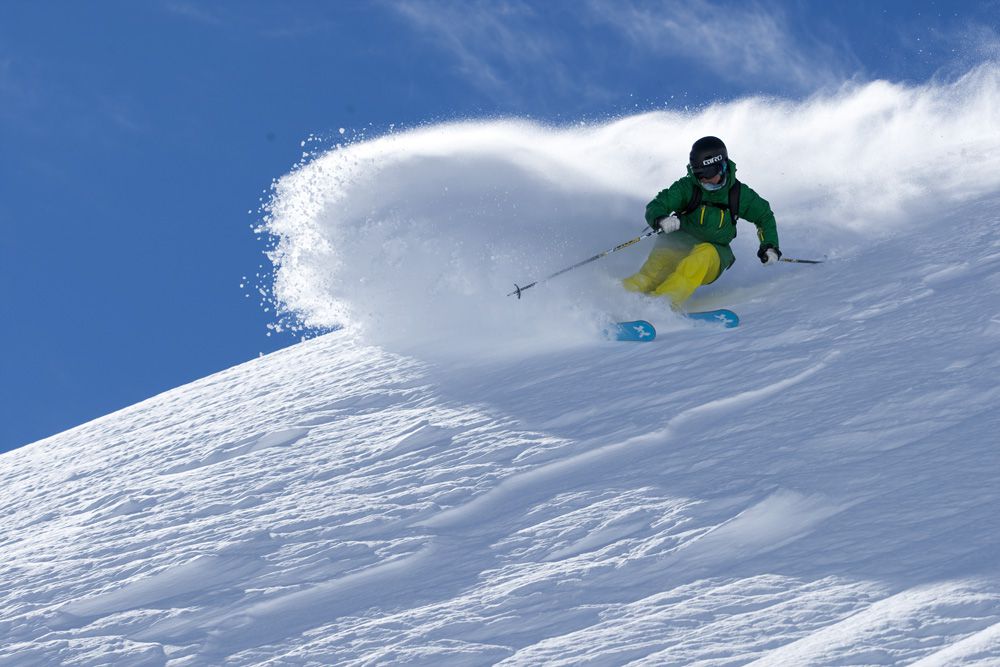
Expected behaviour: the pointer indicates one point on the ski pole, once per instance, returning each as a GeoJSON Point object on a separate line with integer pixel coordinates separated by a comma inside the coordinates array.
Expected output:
{"type": "Point", "coordinates": [801, 261]}
{"type": "Point", "coordinates": [518, 289]}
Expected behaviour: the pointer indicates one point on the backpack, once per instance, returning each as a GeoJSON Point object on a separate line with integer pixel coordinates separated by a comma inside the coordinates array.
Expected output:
{"type": "Point", "coordinates": [734, 202]}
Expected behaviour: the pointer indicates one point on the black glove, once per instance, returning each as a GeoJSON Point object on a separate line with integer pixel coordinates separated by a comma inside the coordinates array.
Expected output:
{"type": "Point", "coordinates": [768, 257]}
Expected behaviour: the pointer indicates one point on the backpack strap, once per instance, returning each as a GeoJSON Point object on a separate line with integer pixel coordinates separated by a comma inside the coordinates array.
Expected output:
{"type": "Point", "coordinates": [694, 203]}
{"type": "Point", "coordinates": [734, 202]}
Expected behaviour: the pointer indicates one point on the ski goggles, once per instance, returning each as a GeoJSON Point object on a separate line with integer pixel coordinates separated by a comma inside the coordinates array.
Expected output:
{"type": "Point", "coordinates": [706, 172]}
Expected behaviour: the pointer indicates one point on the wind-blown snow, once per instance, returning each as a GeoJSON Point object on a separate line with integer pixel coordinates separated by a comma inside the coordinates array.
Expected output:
{"type": "Point", "coordinates": [414, 233]}
{"type": "Point", "coordinates": [817, 486]}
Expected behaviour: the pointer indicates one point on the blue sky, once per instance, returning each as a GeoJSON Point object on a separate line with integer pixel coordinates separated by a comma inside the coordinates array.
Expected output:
{"type": "Point", "coordinates": [137, 140]}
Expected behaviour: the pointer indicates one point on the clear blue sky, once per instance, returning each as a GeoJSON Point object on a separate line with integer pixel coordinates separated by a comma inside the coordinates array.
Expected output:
{"type": "Point", "coordinates": [135, 137]}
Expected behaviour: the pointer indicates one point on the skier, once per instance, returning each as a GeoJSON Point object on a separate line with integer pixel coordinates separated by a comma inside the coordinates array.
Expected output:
{"type": "Point", "coordinates": [693, 249]}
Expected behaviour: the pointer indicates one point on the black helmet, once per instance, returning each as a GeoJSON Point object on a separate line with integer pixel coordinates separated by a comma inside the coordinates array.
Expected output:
{"type": "Point", "coordinates": [708, 157]}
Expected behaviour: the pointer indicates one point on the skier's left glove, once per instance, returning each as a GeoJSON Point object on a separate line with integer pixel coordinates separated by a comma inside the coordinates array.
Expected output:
{"type": "Point", "coordinates": [768, 254]}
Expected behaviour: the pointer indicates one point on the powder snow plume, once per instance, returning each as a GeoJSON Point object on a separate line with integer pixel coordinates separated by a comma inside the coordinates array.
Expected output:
{"type": "Point", "coordinates": [416, 233]}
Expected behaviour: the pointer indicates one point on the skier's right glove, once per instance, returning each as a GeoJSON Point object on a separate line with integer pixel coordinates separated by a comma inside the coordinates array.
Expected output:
{"type": "Point", "coordinates": [667, 224]}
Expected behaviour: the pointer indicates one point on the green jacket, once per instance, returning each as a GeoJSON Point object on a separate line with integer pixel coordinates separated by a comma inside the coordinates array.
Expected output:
{"type": "Point", "coordinates": [711, 224]}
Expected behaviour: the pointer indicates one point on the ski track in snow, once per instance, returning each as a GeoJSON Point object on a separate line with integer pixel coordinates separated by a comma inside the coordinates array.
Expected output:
{"type": "Point", "coordinates": [817, 486]}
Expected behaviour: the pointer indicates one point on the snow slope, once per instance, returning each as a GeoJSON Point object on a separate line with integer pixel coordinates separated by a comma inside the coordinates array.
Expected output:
{"type": "Point", "coordinates": [455, 477]}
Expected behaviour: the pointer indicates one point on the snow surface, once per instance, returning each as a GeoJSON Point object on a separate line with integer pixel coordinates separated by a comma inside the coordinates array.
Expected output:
{"type": "Point", "coordinates": [459, 478]}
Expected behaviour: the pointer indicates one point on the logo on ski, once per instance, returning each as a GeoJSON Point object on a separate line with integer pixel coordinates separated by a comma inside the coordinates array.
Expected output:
{"type": "Point", "coordinates": [639, 331]}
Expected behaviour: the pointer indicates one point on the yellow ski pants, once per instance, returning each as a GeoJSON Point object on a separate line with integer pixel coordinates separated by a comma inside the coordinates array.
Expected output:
{"type": "Point", "coordinates": [676, 272]}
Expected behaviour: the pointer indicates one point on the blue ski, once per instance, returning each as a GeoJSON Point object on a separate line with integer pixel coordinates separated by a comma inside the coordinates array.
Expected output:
{"type": "Point", "coordinates": [639, 331]}
{"type": "Point", "coordinates": [723, 317]}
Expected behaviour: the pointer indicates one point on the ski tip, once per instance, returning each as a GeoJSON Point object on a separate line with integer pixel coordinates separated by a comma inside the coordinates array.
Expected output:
{"type": "Point", "coordinates": [722, 317]}
{"type": "Point", "coordinates": [638, 331]}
